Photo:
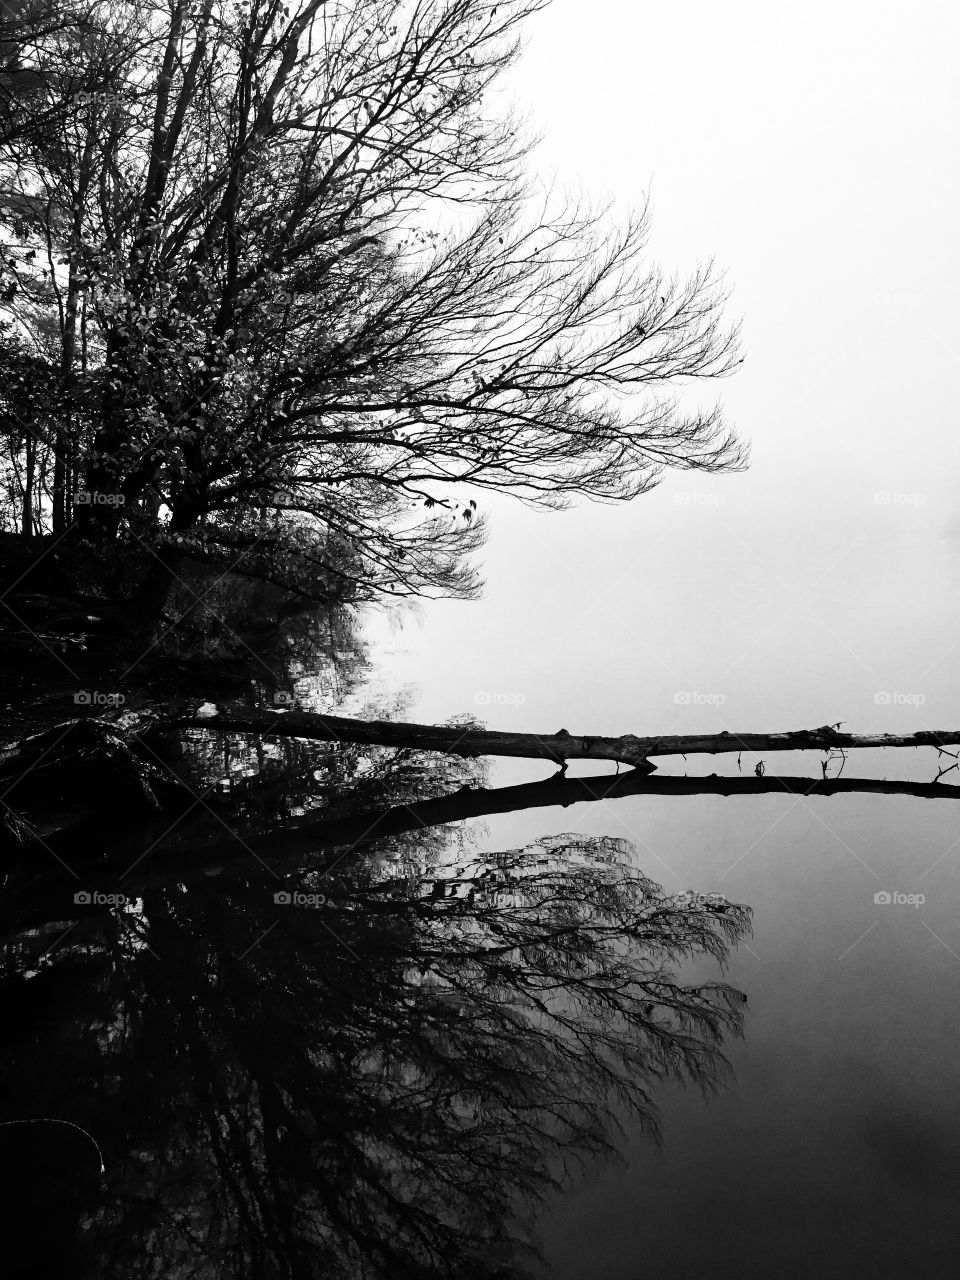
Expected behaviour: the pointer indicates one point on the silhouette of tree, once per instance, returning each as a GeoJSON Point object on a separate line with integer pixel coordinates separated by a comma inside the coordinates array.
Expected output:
{"type": "Point", "coordinates": [384, 1085]}
{"type": "Point", "coordinates": [311, 311]}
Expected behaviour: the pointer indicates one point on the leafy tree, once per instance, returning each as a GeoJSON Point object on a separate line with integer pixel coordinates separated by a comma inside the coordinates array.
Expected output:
{"type": "Point", "coordinates": [322, 312]}
{"type": "Point", "coordinates": [25, 90]}
{"type": "Point", "coordinates": [28, 408]}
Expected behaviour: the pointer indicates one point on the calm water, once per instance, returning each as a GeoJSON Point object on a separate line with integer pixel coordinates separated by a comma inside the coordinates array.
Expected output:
{"type": "Point", "coordinates": [350, 1087]}
{"type": "Point", "coordinates": [836, 1150]}
{"type": "Point", "coordinates": [288, 1091]}
{"type": "Point", "coordinates": [363, 1057]}
{"type": "Point", "coordinates": [293, 1089]}
{"type": "Point", "coordinates": [836, 1153]}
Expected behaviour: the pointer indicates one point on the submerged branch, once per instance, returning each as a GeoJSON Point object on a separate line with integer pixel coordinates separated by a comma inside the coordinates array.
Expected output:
{"type": "Point", "coordinates": [308, 835]}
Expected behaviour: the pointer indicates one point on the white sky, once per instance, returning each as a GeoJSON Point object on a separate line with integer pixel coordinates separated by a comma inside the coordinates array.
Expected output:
{"type": "Point", "coordinates": [812, 149]}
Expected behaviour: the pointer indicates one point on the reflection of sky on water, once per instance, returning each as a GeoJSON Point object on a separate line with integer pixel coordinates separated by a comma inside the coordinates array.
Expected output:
{"type": "Point", "coordinates": [805, 146]}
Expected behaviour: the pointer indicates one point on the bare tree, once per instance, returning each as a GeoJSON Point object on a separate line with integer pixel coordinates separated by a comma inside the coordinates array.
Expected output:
{"type": "Point", "coordinates": [324, 312]}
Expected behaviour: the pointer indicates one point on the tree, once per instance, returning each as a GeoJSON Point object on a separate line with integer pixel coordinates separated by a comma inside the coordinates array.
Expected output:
{"type": "Point", "coordinates": [324, 313]}
{"type": "Point", "coordinates": [29, 405]}
{"type": "Point", "coordinates": [58, 59]}
{"type": "Point", "coordinates": [25, 89]}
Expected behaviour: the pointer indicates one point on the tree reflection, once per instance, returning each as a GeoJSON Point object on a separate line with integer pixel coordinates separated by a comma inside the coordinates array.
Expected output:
{"type": "Point", "coordinates": [384, 1085]}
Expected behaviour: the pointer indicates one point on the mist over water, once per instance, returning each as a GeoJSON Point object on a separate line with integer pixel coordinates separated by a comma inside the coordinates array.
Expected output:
{"type": "Point", "coordinates": [349, 1017]}
{"type": "Point", "coordinates": [820, 586]}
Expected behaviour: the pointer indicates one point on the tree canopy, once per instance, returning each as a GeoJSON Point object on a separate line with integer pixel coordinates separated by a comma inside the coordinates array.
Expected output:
{"type": "Point", "coordinates": [305, 308]}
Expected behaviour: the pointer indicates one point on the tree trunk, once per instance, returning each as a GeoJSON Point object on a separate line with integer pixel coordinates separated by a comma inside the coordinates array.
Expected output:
{"type": "Point", "coordinates": [63, 438]}
{"type": "Point", "coordinates": [451, 740]}
{"type": "Point", "coordinates": [559, 747]}
{"type": "Point", "coordinates": [147, 604]}
{"type": "Point", "coordinates": [26, 524]}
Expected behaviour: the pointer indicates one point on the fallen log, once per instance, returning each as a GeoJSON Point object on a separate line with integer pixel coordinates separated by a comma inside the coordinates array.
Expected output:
{"type": "Point", "coordinates": [559, 747]}
{"type": "Point", "coordinates": [459, 740]}
{"type": "Point", "coordinates": [91, 760]}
